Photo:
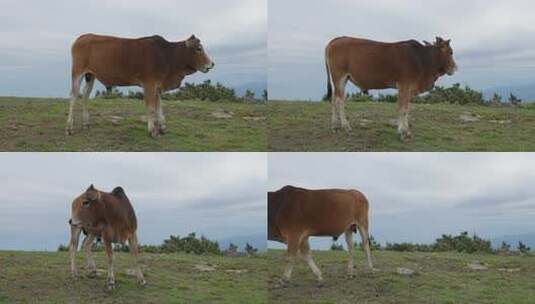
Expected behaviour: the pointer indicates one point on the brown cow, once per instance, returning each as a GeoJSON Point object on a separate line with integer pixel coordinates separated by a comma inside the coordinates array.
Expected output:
{"type": "Point", "coordinates": [409, 66]}
{"type": "Point", "coordinates": [152, 63]}
{"type": "Point", "coordinates": [106, 216]}
{"type": "Point", "coordinates": [295, 214]}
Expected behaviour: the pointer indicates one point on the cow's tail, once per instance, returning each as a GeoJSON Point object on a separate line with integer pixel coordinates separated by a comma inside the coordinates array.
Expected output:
{"type": "Point", "coordinates": [328, 70]}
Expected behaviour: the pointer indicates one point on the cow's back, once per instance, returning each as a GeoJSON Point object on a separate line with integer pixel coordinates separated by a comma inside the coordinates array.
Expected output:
{"type": "Point", "coordinates": [120, 61]}
{"type": "Point", "coordinates": [373, 64]}
{"type": "Point", "coordinates": [320, 212]}
{"type": "Point", "coordinates": [120, 214]}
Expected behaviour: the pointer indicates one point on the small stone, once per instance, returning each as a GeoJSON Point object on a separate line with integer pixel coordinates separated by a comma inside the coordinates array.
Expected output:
{"type": "Point", "coordinates": [405, 271]}
{"type": "Point", "coordinates": [476, 265]}
{"type": "Point", "coordinates": [222, 114]}
{"type": "Point", "coordinates": [469, 117]}
{"type": "Point", "coordinates": [204, 268]}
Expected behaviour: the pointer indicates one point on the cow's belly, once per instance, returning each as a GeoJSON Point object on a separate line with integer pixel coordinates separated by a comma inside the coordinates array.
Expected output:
{"type": "Point", "coordinates": [109, 80]}
{"type": "Point", "coordinates": [372, 83]}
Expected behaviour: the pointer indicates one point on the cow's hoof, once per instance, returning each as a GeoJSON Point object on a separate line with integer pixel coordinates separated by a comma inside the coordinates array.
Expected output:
{"type": "Point", "coordinates": [320, 284]}
{"type": "Point", "coordinates": [110, 285]}
{"type": "Point", "coordinates": [162, 130]}
{"type": "Point", "coordinates": [154, 133]}
{"type": "Point", "coordinates": [347, 128]}
{"type": "Point", "coordinates": [142, 283]}
{"type": "Point", "coordinates": [350, 276]}
{"type": "Point", "coordinates": [69, 131]}
{"type": "Point", "coordinates": [92, 274]}
{"type": "Point", "coordinates": [283, 283]}
{"type": "Point", "coordinates": [74, 275]}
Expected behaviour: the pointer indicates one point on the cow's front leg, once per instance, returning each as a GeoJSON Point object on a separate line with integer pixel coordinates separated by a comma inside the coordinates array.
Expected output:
{"type": "Point", "coordinates": [73, 246]}
{"type": "Point", "coordinates": [403, 111]}
{"type": "Point", "coordinates": [151, 103]}
{"type": "Point", "coordinates": [110, 282]}
{"type": "Point", "coordinates": [161, 117]}
{"type": "Point", "coordinates": [90, 80]}
{"type": "Point", "coordinates": [134, 249]}
{"type": "Point", "coordinates": [86, 245]}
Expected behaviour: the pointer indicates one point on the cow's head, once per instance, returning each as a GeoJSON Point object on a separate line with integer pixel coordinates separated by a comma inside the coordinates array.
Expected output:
{"type": "Point", "coordinates": [86, 208]}
{"type": "Point", "coordinates": [199, 59]}
{"type": "Point", "coordinates": [447, 64]}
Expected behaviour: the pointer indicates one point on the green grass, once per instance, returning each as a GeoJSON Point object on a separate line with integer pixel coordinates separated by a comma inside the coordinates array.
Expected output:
{"type": "Point", "coordinates": [305, 126]}
{"type": "Point", "coordinates": [439, 278]}
{"type": "Point", "coordinates": [37, 124]}
{"type": "Point", "coordinates": [44, 277]}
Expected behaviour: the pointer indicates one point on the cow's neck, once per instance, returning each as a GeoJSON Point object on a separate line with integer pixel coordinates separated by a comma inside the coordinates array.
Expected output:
{"type": "Point", "coordinates": [180, 60]}
{"type": "Point", "coordinates": [437, 65]}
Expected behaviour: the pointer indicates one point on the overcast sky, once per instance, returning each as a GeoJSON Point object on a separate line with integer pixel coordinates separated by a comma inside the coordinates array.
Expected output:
{"type": "Point", "coordinates": [492, 40]}
{"type": "Point", "coordinates": [220, 195]}
{"type": "Point", "coordinates": [417, 197]}
{"type": "Point", "coordinates": [35, 37]}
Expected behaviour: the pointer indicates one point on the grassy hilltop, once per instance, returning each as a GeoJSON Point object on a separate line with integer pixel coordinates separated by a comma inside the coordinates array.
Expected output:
{"type": "Point", "coordinates": [305, 126]}
{"type": "Point", "coordinates": [38, 124]}
{"type": "Point", "coordinates": [438, 278]}
{"type": "Point", "coordinates": [44, 277]}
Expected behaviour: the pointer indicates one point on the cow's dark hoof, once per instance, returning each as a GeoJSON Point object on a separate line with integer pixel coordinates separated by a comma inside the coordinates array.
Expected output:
{"type": "Point", "coordinates": [154, 133]}
{"type": "Point", "coordinates": [320, 284]}
{"type": "Point", "coordinates": [162, 131]}
{"type": "Point", "coordinates": [283, 283]}
{"type": "Point", "coordinates": [350, 276]}
{"type": "Point", "coordinates": [142, 283]}
{"type": "Point", "coordinates": [109, 286]}
{"type": "Point", "coordinates": [69, 131]}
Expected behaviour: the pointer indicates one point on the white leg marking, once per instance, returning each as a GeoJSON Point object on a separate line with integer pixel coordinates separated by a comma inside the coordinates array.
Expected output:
{"type": "Point", "coordinates": [85, 113]}
{"type": "Point", "coordinates": [350, 250]}
{"type": "Point", "coordinates": [75, 90]}
{"type": "Point", "coordinates": [73, 246]}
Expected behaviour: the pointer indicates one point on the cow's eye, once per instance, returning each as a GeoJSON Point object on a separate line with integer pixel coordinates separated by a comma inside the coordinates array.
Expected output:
{"type": "Point", "coordinates": [85, 204]}
{"type": "Point", "coordinates": [199, 49]}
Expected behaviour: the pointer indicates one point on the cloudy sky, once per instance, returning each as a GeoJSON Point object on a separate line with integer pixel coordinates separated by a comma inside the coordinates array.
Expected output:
{"type": "Point", "coordinates": [492, 40]}
{"type": "Point", "coordinates": [417, 197]}
{"type": "Point", "coordinates": [220, 195]}
{"type": "Point", "coordinates": [35, 37]}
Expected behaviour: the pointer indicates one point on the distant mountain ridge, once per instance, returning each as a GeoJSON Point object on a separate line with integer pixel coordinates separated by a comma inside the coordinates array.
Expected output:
{"type": "Point", "coordinates": [258, 241]}
{"type": "Point", "coordinates": [526, 92]}
{"type": "Point", "coordinates": [528, 239]}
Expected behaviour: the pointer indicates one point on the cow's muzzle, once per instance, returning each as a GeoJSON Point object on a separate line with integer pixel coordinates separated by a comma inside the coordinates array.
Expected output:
{"type": "Point", "coordinates": [208, 67]}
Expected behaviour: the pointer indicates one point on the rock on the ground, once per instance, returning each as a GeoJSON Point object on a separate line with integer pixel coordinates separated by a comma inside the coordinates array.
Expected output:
{"type": "Point", "coordinates": [476, 265]}
{"type": "Point", "coordinates": [405, 271]}
{"type": "Point", "coordinates": [469, 117]}
{"type": "Point", "coordinates": [115, 120]}
{"type": "Point", "coordinates": [223, 114]}
{"type": "Point", "coordinates": [205, 268]}
{"type": "Point", "coordinates": [254, 118]}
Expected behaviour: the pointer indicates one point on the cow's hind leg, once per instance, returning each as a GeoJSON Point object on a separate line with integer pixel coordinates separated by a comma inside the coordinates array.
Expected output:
{"type": "Point", "coordinates": [89, 82]}
{"type": "Point", "coordinates": [307, 256]}
{"type": "Point", "coordinates": [151, 103]}
{"type": "Point", "coordinates": [339, 101]}
{"type": "Point", "coordinates": [403, 111]}
{"type": "Point", "coordinates": [110, 282]}
{"type": "Point", "coordinates": [86, 245]}
{"type": "Point", "coordinates": [350, 250]}
{"type": "Point", "coordinates": [73, 246]}
{"type": "Point", "coordinates": [365, 238]}
{"type": "Point", "coordinates": [75, 91]}
{"type": "Point", "coordinates": [161, 117]}
{"type": "Point", "coordinates": [134, 249]}
{"type": "Point", "coordinates": [293, 249]}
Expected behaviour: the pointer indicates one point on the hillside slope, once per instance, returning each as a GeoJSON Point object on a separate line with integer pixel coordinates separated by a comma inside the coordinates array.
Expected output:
{"type": "Point", "coordinates": [171, 278]}
{"type": "Point", "coordinates": [305, 126]}
{"type": "Point", "coordinates": [437, 278]}
{"type": "Point", "coordinates": [33, 124]}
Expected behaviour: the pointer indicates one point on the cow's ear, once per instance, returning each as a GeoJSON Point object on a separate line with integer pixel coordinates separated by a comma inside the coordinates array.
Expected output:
{"type": "Point", "coordinates": [439, 41]}
{"type": "Point", "coordinates": [426, 43]}
{"type": "Point", "coordinates": [448, 41]}
{"type": "Point", "coordinates": [91, 188]}
{"type": "Point", "coordinates": [190, 43]}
